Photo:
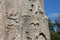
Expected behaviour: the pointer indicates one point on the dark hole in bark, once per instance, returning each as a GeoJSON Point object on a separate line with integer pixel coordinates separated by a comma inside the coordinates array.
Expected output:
{"type": "Point", "coordinates": [36, 37]}
{"type": "Point", "coordinates": [36, 12]}
{"type": "Point", "coordinates": [27, 32]}
{"type": "Point", "coordinates": [29, 0]}
{"type": "Point", "coordinates": [41, 12]}
{"type": "Point", "coordinates": [31, 10]}
{"type": "Point", "coordinates": [32, 5]}
{"type": "Point", "coordinates": [28, 38]}
{"type": "Point", "coordinates": [0, 1]}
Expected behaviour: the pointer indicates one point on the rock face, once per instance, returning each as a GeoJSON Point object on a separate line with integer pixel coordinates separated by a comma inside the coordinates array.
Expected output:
{"type": "Point", "coordinates": [23, 20]}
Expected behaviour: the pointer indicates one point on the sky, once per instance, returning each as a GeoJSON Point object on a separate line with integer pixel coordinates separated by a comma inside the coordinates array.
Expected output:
{"type": "Point", "coordinates": [52, 8]}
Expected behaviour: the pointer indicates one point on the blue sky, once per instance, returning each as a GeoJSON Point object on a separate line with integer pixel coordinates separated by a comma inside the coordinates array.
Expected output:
{"type": "Point", "coordinates": [52, 8]}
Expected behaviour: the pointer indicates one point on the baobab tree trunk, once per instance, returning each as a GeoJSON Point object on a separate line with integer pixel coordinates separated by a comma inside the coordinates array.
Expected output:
{"type": "Point", "coordinates": [23, 20]}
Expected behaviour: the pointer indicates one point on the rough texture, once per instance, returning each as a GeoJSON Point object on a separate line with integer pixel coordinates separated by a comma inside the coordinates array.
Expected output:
{"type": "Point", "coordinates": [23, 20]}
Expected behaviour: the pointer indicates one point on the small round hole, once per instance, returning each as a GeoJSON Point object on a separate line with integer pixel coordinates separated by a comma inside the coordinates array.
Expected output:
{"type": "Point", "coordinates": [36, 37]}
{"type": "Point", "coordinates": [41, 12]}
{"type": "Point", "coordinates": [31, 10]}
{"type": "Point", "coordinates": [32, 5]}
{"type": "Point", "coordinates": [0, 1]}
{"type": "Point", "coordinates": [29, 0]}
{"type": "Point", "coordinates": [36, 12]}
{"type": "Point", "coordinates": [27, 32]}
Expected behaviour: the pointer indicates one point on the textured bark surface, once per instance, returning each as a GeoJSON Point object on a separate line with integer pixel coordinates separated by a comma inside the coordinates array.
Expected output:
{"type": "Point", "coordinates": [23, 20]}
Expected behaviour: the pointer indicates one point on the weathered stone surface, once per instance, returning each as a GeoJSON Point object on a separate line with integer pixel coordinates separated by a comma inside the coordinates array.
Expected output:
{"type": "Point", "coordinates": [23, 20]}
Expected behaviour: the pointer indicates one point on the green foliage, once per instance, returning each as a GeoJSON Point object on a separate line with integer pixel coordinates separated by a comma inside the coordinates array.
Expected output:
{"type": "Point", "coordinates": [57, 23]}
{"type": "Point", "coordinates": [51, 25]}
{"type": "Point", "coordinates": [58, 31]}
{"type": "Point", "coordinates": [54, 35]}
